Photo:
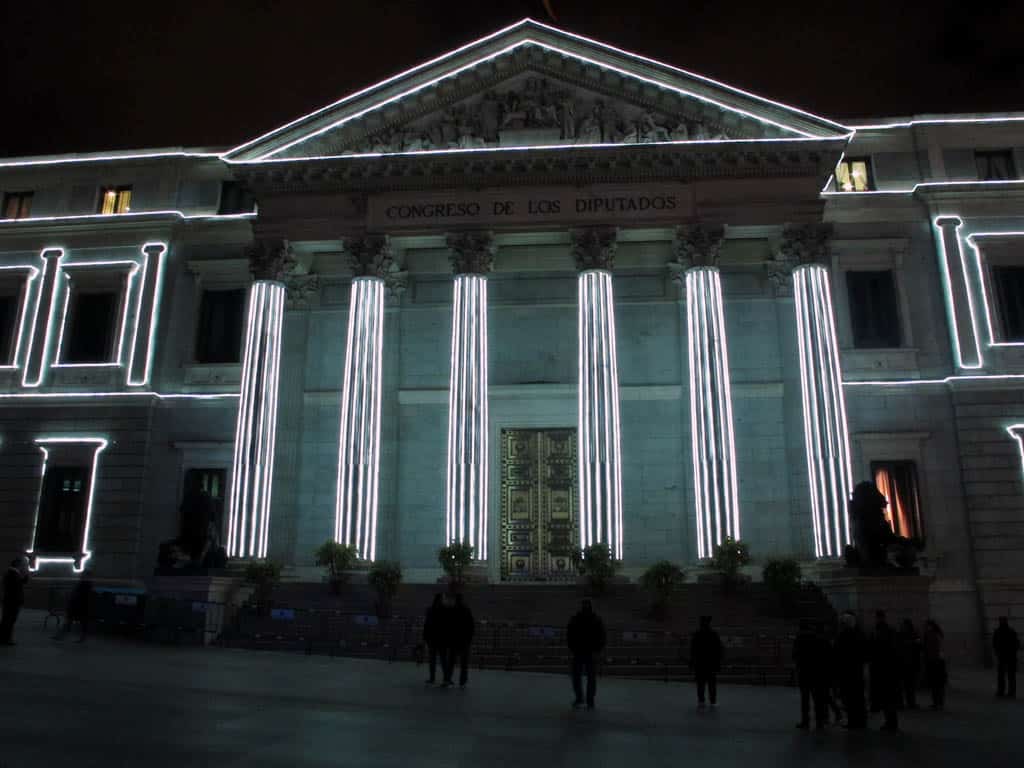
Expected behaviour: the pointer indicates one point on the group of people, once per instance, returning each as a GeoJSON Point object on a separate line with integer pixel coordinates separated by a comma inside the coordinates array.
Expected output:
{"type": "Point", "coordinates": [447, 634]}
{"type": "Point", "coordinates": [78, 610]}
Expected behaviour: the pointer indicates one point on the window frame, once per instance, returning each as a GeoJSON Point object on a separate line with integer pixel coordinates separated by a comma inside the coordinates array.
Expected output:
{"type": "Point", "coordinates": [21, 197]}
{"type": "Point", "coordinates": [117, 190]}
{"type": "Point", "coordinates": [118, 277]}
{"type": "Point", "coordinates": [1004, 152]}
{"type": "Point", "coordinates": [869, 170]}
{"type": "Point", "coordinates": [198, 332]}
{"type": "Point", "coordinates": [27, 277]}
{"type": "Point", "coordinates": [917, 531]}
{"type": "Point", "coordinates": [897, 309]}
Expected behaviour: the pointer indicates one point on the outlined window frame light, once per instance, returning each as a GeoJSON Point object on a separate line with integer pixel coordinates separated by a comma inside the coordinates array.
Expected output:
{"type": "Point", "coordinates": [979, 265]}
{"type": "Point", "coordinates": [28, 301]}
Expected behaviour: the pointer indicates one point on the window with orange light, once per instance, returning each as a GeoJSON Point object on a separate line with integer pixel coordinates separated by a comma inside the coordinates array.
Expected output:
{"type": "Point", "coordinates": [115, 200]}
{"type": "Point", "coordinates": [897, 482]}
{"type": "Point", "coordinates": [853, 174]}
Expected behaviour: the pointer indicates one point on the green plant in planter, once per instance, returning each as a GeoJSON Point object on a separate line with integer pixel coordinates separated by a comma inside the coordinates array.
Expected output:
{"type": "Point", "coordinates": [454, 560]}
{"type": "Point", "coordinates": [662, 579]}
{"type": "Point", "coordinates": [596, 564]}
{"type": "Point", "coordinates": [728, 557]}
{"type": "Point", "coordinates": [782, 575]}
{"type": "Point", "coordinates": [336, 558]}
{"type": "Point", "coordinates": [264, 575]}
{"type": "Point", "coordinates": [384, 578]}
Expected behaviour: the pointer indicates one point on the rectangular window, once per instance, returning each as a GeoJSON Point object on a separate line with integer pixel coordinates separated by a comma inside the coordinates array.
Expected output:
{"type": "Point", "coordinates": [212, 484]}
{"type": "Point", "coordinates": [853, 174]}
{"type": "Point", "coordinates": [62, 510]}
{"type": "Point", "coordinates": [10, 304]}
{"type": "Point", "coordinates": [219, 335]}
{"type": "Point", "coordinates": [1009, 289]}
{"type": "Point", "coordinates": [17, 205]}
{"type": "Point", "coordinates": [995, 165]}
{"type": "Point", "coordinates": [897, 481]}
{"type": "Point", "coordinates": [115, 199]}
{"type": "Point", "coordinates": [235, 198]}
{"type": "Point", "coordinates": [874, 310]}
{"type": "Point", "coordinates": [91, 327]}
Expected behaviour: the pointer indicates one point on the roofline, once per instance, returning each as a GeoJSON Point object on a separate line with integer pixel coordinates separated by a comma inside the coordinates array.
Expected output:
{"type": "Point", "coordinates": [99, 157]}
{"type": "Point", "coordinates": [887, 123]}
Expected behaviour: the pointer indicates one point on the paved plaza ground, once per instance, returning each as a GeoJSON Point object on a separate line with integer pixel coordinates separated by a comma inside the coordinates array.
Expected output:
{"type": "Point", "coordinates": [109, 702]}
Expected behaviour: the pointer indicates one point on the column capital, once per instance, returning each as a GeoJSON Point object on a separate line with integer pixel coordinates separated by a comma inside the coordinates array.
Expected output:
{"type": "Point", "coordinates": [369, 255]}
{"type": "Point", "coordinates": [800, 245]}
{"type": "Point", "coordinates": [594, 247]}
{"type": "Point", "coordinates": [695, 245]}
{"type": "Point", "coordinates": [948, 221]}
{"type": "Point", "coordinates": [271, 259]}
{"type": "Point", "coordinates": [472, 252]}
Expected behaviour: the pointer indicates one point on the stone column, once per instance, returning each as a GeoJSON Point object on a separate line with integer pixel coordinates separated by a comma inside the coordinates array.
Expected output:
{"type": "Point", "coordinates": [256, 429]}
{"type": "Point", "coordinates": [952, 268]}
{"type": "Point", "coordinates": [826, 435]}
{"type": "Point", "coordinates": [37, 361]}
{"type": "Point", "coordinates": [466, 492]}
{"type": "Point", "coordinates": [716, 498]}
{"type": "Point", "coordinates": [355, 519]}
{"type": "Point", "coordinates": [143, 341]}
{"type": "Point", "coordinates": [600, 451]}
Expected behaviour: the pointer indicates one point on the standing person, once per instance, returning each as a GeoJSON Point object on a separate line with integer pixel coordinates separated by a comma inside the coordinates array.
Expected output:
{"type": "Point", "coordinates": [706, 660]}
{"type": "Point", "coordinates": [446, 638]}
{"type": "Point", "coordinates": [432, 636]}
{"type": "Point", "coordinates": [850, 655]}
{"type": "Point", "coordinates": [1006, 644]}
{"type": "Point", "coordinates": [79, 608]}
{"type": "Point", "coordinates": [14, 597]}
{"type": "Point", "coordinates": [885, 672]}
{"type": "Point", "coordinates": [810, 653]}
{"type": "Point", "coordinates": [586, 638]}
{"type": "Point", "coordinates": [908, 644]}
{"type": "Point", "coordinates": [463, 627]}
{"type": "Point", "coordinates": [935, 663]}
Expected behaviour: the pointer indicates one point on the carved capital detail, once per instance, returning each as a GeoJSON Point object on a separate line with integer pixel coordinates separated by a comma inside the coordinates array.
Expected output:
{"type": "Point", "coordinates": [369, 256]}
{"type": "Point", "coordinates": [800, 244]}
{"type": "Point", "coordinates": [472, 252]}
{"type": "Point", "coordinates": [301, 291]}
{"type": "Point", "coordinates": [594, 247]}
{"type": "Point", "coordinates": [695, 245]}
{"type": "Point", "coordinates": [271, 259]}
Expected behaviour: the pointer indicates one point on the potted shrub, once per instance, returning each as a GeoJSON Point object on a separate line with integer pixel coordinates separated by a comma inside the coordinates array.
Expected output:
{"type": "Point", "coordinates": [264, 575]}
{"type": "Point", "coordinates": [384, 578]}
{"type": "Point", "coordinates": [596, 565]}
{"type": "Point", "coordinates": [336, 558]}
{"type": "Point", "coordinates": [728, 558]}
{"type": "Point", "coordinates": [661, 580]}
{"type": "Point", "coordinates": [455, 559]}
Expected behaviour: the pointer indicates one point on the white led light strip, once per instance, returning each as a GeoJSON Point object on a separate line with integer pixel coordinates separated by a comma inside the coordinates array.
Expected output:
{"type": "Point", "coordinates": [956, 284]}
{"type": "Point", "coordinates": [466, 492]}
{"type": "Point", "coordinates": [355, 520]}
{"type": "Point", "coordinates": [824, 409]}
{"type": "Point", "coordinates": [600, 456]}
{"type": "Point", "coordinates": [256, 430]}
{"type": "Point", "coordinates": [711, 424]}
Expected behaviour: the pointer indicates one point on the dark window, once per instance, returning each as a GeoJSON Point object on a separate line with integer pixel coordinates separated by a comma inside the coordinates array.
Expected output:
{"type": "Point", "coordinates": [995, 165]}
{"type": "Point", "coordinates": [897, 481]}
{"type": "Point", "coordinates": [212, 483]}
{"type": "Point", "coordinates": [17, 205]}
{"type": "Point", "coordinates": [235, 198]}
{"type": "Point", "coordinates": [115, 199]}
{"type": "Point", "coordinates": [853, 174]}
{"type": "Point", "coordinates": [90, 328]}
{"type": "Point", "coordinates": [1009, 285]}
{"type": "Point", "coordinates": [9, 306]}
{"type": "Point", "coordinates": [219, 335]}
{"type": "Point", "coordinates": [62, 508]}
{"type": "Point", "coordinates": [874, 313]}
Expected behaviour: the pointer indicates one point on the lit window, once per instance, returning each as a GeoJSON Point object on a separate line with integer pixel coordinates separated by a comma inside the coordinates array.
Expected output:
{"type": "Point", "coordinates": [874, 311]}
{"type": "Point", "coordinates": [1009, 290]}
{"type": "Point", "coordinates": [115, 199]}
{"type": "Point", "coordinates": [91, 327]}
{"type": "Point", "coordinates": [219, 335]}
{"type": "Point", "coordinates": [897, 481]}
{"type": "Point", "coordinates": [17, 205]}
{"type": "Point", "coordinates": [62, 511]}
{"type": "Point", "coordinates": [854, 175]}
{"type": "Point", "coordinates": [995, 165]}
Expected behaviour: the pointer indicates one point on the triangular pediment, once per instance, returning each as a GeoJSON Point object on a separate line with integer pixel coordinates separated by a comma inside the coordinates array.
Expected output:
{"type": "Point", "coordinates": [533, 85]}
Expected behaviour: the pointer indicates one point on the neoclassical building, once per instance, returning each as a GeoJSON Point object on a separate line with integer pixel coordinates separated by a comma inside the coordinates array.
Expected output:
{"type": "Point", "coordinates": [535, 293]}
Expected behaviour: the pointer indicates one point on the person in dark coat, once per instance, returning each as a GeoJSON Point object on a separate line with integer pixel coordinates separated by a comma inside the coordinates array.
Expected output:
{"type": "Point", "coordinates": [79, 609]}
{"type": "Point", "coordinates": [462, 628]}
{"type": "Point", "coordinates": [935, 663]}
{"type": "Point", "coordinates": [432, 636]}
{"type": "Point", "coordinates": [849, 657]}
{"type": "Point", "coordinates": [585, 636]}
{"type": "Point", "coordinates": [14, 597]}
{"type": "Point", "coordinates": [1006, 645]}
{"type": "Point", "coordinates": [706, 660]}
{"type": "Point", "coordinates": [908, 649]}
{"type": "Point", "coordinates": [811, 655]}
{"type": "Point", "coordinates": [871, 531]}
{"type": "Point", "coordinates": [885, 672]}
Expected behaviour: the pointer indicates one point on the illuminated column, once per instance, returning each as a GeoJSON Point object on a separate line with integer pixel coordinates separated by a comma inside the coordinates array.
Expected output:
{"type": "Point", "coordinates": [472, 257]}
{"type": "Point", "coordinates": [600, 454]}
{"type": "Point", "coordinates": [40, 335]}
{"type": "Point", "coordinates": [355, 520]}
{"type": "Point", "coordinates": [143, 340]}
{"type": "Point", "coordinates": [826, 434]}
{"type": "Point", "coordinates": [963, 330]}
{"type": "Point", "coordinates": [256, 429]}
{"type": "Point", "coordinates": [716, 499]}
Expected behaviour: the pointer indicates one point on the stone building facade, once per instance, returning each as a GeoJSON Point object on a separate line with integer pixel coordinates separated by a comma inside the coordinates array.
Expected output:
{"type": "Point", "coordinates": [534, 293]}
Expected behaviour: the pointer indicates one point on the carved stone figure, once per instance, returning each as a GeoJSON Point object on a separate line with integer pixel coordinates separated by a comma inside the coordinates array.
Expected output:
{"type": "Point", "coordinates": [490, 115]}
{"type": "Point", "coordinates": [369, 256]}
{"type": "Point", "coordinates": [472, 252]}
{"type": "Point", "coordinates": [594, 247]}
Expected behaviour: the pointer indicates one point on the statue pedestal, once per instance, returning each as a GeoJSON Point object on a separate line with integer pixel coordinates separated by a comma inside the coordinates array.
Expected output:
{"type": "Point", "coordinates": [901, 594]}
{"type": "Point", "coordinates": [208, 595]}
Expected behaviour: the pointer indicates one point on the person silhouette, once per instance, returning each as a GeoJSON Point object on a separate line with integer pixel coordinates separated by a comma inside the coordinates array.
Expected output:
{"type": "Point", "coordinates": [706, 660]}
{"type": "Point", "coordinates": [432, 636]}
{"type": "Point", "coordinates": [1006, 645]}
{"type": "Point", "coordinates": [463, 627]}
{"type": "Point", "coordinates": [885, 672]}
{"type": "Point", "coordinates": [935, 663]}
{"type": "Point", "coordinates": [849, 658]}
{"type": "Point", "coordinates": [908, 647]}
{"type": "Point", "coordinates": [14, 597]}
{"type": "Point", "coordinates": [811, 655]}
{"type": "Point", "coordinates": [79, 608]}
{"type": "Point", "coordinates": [585, 637]}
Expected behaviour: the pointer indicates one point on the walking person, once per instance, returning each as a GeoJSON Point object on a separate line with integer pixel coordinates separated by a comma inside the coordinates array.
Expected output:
{"type": "Point", "coordinates": [446, 638]}
{"type": "Point", "coordinates": [935, 663]}
{"type": "Point", "coordinates": [1006, 644]}
{"type": "Point", "coordinates": [585, 636]}
{"type": "Point", "coordinates": [432, 637]}
{"type": "Point", "coordinates": [463, 627]}
{"type": "Point", "coordinates": [811, 655]}
{"type": "Point", "coordinates": [908, 645]}
{"type": "Point", "coordinates": [14, 597]}
{"type": "Point", "coordinates": [706, 660]}
{"type": "Point", "coordinates": [885, 672]}
{"type": "Point", "coordinates": [849, 658]}
{"type": "Point", "coordinates": [79, 609]}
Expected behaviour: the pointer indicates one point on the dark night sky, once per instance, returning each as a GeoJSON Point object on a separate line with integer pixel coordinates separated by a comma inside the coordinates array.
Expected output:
{"type": "Point", "coordinates": [81, 76]}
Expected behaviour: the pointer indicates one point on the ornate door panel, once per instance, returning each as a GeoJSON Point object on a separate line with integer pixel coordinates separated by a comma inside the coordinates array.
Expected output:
{"type": "Point", "coordinates": [538, 504]}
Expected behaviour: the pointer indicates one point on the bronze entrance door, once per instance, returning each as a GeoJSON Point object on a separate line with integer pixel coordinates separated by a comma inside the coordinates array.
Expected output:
{"type": "Point", "coordinates": [538, 504]}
